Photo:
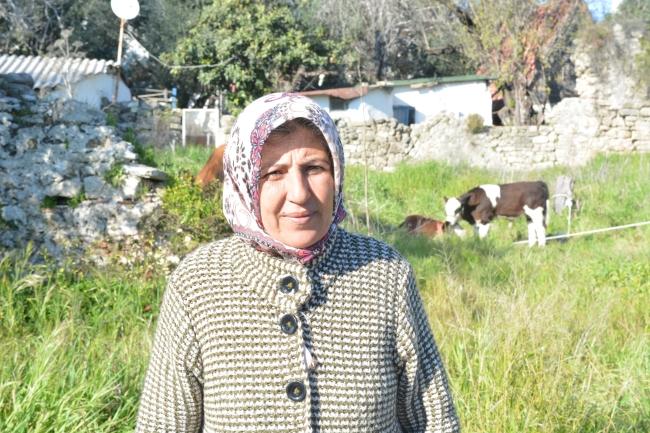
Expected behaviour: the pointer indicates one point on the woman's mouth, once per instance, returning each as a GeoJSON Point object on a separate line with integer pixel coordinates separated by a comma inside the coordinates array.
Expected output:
{"type": "Point", "coordinates": [299, 217]}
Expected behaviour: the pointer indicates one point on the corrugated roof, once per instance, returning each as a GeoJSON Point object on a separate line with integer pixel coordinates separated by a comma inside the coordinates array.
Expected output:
{"type": "Point", "coordinates": [53, 71]}
{"type": "Point", "coordinates": [435, 80]}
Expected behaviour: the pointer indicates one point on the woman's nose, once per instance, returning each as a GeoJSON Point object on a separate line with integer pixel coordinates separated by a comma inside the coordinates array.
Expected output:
{"type": "Point", "coordinates": [298, 189]}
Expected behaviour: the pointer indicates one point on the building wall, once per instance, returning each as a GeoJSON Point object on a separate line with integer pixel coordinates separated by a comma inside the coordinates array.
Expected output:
{"type": "Point", "coordinates": [458, 98]}
{"type": "Point", "coordinates": [91, 90]}
{"type": "Point", "coordinates": [377, 104]}
{"type": "Point", "coordinates": [323, 101]}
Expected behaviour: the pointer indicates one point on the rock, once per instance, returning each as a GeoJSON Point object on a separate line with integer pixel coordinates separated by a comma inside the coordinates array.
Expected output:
{"type": "Point", "coordinates": [72, 111]}
{"type": "Point", "coordinates": [23, 79]}
{"type": "Point", "coordinates": [67, 188]}
{"type": "Point", "coordinates": [144, 171]}
{"type": "Point", "coordinates": [628, 112]}
{"type": "Point", "coordinates": [14, 214]}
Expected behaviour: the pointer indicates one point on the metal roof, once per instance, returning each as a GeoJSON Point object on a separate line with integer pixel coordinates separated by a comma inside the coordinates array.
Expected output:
{"type": "Point", "coordinates": [53, 71]}
{"type": "Point", "coordinates": [434, 80]}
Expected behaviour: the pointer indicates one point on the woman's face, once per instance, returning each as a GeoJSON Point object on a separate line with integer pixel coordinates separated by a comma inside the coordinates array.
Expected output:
{"type": "Point", "coordinates": [296, 189]}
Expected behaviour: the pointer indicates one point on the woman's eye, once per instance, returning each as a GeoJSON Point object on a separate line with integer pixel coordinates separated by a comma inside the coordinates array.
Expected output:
{"type": "Point", "coordinates": [271, 174]}
{"type": "Point", "coordinates": [314, 168]}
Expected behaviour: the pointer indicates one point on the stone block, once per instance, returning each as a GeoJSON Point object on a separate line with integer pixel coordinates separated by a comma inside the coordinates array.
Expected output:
{"type": "Point", "coordinates": [67, 188]}
{"type": "Point", "coordinates": [144, 171]}
{"type": "Point", "coordinates": [628, 112]}
{"type": "Point", "coordinates": [645, 112]}
{"type": "Point", "coordinates": [630, 121]}
{"type": "Point", "coordinates": [643, 128]}
{"type": "Point", "coordinates": [624, 133]}
{"type": "Point", "coordinates": [642, 146]}
{"type": "Point", "coordinates": [540, 139]}
{"type": "Point", "coordinates": [395, 148]}
{"type": "Point", "coordinates": [72, 111]}
{"type": "Point", "coordinates": [618, 122]}
{"type": "Point", "coordinates": [14, 214]}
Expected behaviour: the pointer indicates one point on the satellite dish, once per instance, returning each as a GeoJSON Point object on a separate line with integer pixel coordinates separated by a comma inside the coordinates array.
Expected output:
{"type": "Point", "coordinates": [125, 9]}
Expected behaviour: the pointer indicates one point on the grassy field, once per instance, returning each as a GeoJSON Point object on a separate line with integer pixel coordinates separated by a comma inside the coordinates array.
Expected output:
{"type": "Point", "coordinates": [534, 340]}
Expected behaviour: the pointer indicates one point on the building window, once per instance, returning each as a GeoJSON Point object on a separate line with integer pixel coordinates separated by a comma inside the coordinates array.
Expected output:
{"type": "Point", "coordinates": [404, 114]}
{"type": "Point", "coordinates": [338, 104]}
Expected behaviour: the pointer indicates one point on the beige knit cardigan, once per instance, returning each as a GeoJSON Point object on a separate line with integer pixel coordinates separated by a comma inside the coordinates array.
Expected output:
{"type": "Point", "coordinates": [222, 362]}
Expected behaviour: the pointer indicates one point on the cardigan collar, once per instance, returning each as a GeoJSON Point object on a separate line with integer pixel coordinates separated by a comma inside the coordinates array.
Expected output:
{"type": "Point", "coordinates": [268, 275]}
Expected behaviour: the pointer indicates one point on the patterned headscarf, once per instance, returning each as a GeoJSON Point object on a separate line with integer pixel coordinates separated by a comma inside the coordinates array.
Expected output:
{"type": "Point", "coordinates": [242, 166]}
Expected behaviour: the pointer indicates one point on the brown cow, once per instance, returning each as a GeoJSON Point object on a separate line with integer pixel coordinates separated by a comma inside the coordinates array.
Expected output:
{"type": "Point", "coordinates": [213, 169]}
{"type": "Point", "coordinates": [419, 225]}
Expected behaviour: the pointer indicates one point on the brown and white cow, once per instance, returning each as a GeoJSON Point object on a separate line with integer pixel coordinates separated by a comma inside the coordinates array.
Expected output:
{"type": "Point", "coordinates": [213, 169]}
{"type": "Point", "coordinates": [419, 225]}
{"type": "Point", "coordinates": [511, 200]}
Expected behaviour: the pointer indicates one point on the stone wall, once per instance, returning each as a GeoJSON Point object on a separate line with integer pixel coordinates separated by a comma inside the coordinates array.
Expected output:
{"type": "Point", "coordinates": [153, 126]}
{"type": "Point", "coordinates": [55, 162]}
{"type": "Point", "coordinates": [610, 114]}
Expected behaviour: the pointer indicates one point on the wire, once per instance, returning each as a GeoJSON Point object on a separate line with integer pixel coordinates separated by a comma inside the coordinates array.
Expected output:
{"type": "Point", "coordinates": [214, 65]}
{"type": "Point", "coordinates": [590, 232]}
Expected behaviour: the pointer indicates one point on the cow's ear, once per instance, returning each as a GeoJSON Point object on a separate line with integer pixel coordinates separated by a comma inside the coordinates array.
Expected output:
{"type": "Point", "coordinates": [446, 199]}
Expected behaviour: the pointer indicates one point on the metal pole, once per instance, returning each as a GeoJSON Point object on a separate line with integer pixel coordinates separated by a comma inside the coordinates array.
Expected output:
{"type": "Point", "coordinates": [119, 60]}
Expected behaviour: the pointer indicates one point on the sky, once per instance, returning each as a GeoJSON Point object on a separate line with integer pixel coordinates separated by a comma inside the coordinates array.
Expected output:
{"type": "Point", "coordinates": [599, 8]}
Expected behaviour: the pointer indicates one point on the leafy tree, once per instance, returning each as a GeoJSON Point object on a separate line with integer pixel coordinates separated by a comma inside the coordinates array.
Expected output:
{"type": "Point", "coordinates": [389, 38]}
{"type": "Point", "coordinates": [639, 9]}
{"type": "Point", "coordinates": [515, 40]}
{"type": "Point", "coordinates": [255, 47]}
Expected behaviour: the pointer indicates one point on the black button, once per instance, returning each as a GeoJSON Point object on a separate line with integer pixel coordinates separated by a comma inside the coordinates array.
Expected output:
{"type": "Point", "coordinates": [289, 284]}
{"type": "Point", "coordinates": [296, 391]}
{"type": "Point", "coordinates": [289, 324]}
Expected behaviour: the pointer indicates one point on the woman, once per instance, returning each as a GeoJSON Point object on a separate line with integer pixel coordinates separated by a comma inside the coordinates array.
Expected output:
{"type": "Point", "coordinates": [292, 324]}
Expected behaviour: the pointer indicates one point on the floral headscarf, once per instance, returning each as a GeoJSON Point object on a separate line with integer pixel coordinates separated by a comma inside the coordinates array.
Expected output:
{"type": "Point", "coordinates": [242, 166]}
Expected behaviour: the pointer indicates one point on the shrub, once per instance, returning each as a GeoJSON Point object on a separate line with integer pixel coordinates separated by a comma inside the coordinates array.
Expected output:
{"type": "Point", "coordinates": [474, 123]}
{"type": "Point", "coordinates": [77, 199]}
{"type": "Point", "coordinates": [110, 119]}
{"type": "Point", "coordinates": [146, 154]}
{"type": "Point", "coordinates": [115, 175]}
{"type": "Point", "coordinates": [48, 202]}
{"type": "Point", "coordinates": [188, 211]}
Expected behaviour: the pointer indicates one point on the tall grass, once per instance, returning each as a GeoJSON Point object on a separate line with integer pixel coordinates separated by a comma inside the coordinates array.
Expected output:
{"type": "Point", "coordinates": [554, 339]}
{"type": "Point", "coordinates": [534, 340]}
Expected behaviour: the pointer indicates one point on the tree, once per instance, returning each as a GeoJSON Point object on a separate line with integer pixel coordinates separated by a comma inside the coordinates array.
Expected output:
{"type": "Point", "coordinates": [515, 40]}
{"type": "Point", "coordinates": [389, 38]}
{"type": "Point", "coordinates": [254, 49]}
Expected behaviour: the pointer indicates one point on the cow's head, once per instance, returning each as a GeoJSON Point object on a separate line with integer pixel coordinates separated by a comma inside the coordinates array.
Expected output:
{"type": "Point", "coordinates": [453, 209]}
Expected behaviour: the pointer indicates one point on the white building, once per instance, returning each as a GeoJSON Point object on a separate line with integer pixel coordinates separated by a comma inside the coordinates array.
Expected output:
{"type": "Point", "coordinates": [409, 101]}
{"type": "Point", "coordinates": [86, 80]}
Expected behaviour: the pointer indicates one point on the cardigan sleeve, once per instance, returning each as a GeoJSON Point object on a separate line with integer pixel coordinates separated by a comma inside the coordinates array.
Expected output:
{"type": "Point", "coordinates": [172, 396]}
{"type": "Point", "coordinates": [424, 403]}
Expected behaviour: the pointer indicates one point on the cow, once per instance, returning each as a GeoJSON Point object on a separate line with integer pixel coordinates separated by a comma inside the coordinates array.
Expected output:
{"type": "Point", "coordinates": [484, 203]}
{"type": "Point", "coordinates": [419, 225]}
{"type": "Point", "coordinates": [213, 169]}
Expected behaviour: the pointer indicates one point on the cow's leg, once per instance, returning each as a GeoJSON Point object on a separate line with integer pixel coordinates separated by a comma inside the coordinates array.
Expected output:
{"type": "Point", "coordinates": [532, 238]}
{"type": "Point", "coordinates": [482, 229]}
{"type": "Point", "coordinates": [536, 224]}
{"type": "Point", "coordinates": [459, 230]}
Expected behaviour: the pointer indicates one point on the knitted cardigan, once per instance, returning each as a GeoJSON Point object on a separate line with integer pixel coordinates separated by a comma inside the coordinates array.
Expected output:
{"type": "Point", "coordinates": [223, 361]}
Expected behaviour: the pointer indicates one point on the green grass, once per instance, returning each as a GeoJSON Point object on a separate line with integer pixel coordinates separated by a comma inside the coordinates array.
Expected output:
{"type": "Point", "coordinates": [190, 157]}
{"type": "Point", "coordinates": [534, 340]}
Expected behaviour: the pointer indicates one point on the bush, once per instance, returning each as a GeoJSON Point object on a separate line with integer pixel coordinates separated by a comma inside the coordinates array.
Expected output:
{"type": "Point", "coordinates": [115, 175]}
{"type": "Point", "coordinates": [474, 123]}
{"type": "Point", "coordinates": [189, 215]}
